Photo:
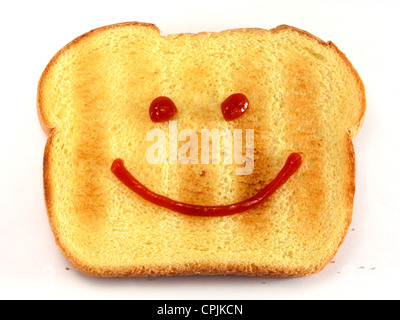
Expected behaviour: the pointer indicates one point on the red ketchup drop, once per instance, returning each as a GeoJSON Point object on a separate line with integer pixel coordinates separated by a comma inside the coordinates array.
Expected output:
{"type": "Point", "coordinates": [292, 164]}
{"type": "Point", "coordinates": [234, 106]}
{"type": "Point", "coordinates": [162, 109]}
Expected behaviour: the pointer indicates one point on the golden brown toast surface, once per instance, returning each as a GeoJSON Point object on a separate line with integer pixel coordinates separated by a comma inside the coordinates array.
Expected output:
{"type": "Point", "coordinates": [94, 98]}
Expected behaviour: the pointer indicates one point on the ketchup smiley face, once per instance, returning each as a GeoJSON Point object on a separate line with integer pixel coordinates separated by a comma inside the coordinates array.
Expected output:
{"type": "Point", "coordinates": [164, 109]}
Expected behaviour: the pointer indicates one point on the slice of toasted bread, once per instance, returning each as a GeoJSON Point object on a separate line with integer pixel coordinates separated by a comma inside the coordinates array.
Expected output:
{"type": "Point", "coordinates": [93, 101]}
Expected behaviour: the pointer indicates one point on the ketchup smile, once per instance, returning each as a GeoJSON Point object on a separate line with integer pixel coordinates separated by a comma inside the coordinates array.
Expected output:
{"type": "Point", "coordinates": [292, 164]}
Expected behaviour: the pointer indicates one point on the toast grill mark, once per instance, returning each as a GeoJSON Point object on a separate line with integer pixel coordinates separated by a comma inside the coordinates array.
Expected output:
{"type": "Point", "coordinates": [292, 164]}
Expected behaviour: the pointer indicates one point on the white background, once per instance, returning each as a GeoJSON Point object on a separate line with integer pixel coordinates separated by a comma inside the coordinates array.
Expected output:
{"type": "Point", "coordinates": [367, 265]}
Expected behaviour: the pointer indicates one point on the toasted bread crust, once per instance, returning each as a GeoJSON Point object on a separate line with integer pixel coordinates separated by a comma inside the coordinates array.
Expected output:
{"type": "Point", "coordinates": [187, 269]}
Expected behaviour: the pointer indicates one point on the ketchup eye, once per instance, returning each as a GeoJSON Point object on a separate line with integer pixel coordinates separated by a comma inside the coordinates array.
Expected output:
{"type": "Point", "coordinates": [162, 109]}
{"type": "Point", "coordinates": [234, 106]}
